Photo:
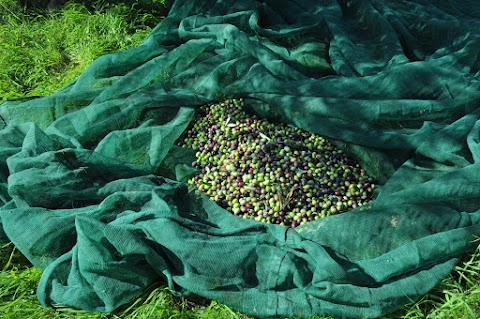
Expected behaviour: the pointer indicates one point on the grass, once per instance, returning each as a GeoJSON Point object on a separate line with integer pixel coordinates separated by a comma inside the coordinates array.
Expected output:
{"type": "Point", "coordinates": [40, 53]}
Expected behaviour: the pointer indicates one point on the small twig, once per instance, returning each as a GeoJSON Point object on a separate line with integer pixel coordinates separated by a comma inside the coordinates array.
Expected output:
{"type": "Point", "coordinates": [288, 198]}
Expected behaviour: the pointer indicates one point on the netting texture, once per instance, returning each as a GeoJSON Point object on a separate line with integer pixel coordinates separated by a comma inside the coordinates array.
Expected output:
{"type": "Point", "coordinates": [92, 186]}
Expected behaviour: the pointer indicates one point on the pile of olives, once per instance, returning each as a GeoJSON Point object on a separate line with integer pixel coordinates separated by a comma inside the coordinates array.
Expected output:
{"type": "Point", "coordinates": [271, 172]}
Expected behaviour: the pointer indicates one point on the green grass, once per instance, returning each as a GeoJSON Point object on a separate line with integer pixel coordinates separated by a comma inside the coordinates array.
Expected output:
{"type": "Point", "coordinates": [40, 53]}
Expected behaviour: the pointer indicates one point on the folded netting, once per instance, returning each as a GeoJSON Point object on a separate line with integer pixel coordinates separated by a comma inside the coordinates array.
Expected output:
{"type": "Point", "coordinates": [92, 186]}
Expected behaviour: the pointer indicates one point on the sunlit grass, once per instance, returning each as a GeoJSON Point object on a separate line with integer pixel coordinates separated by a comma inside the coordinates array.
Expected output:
{"type": "Point", "coordinates": [43, 52]}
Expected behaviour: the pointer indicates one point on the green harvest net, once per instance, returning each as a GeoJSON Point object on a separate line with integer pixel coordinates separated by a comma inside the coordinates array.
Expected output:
{"type": "Point", "coordinates": [92, 185]}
